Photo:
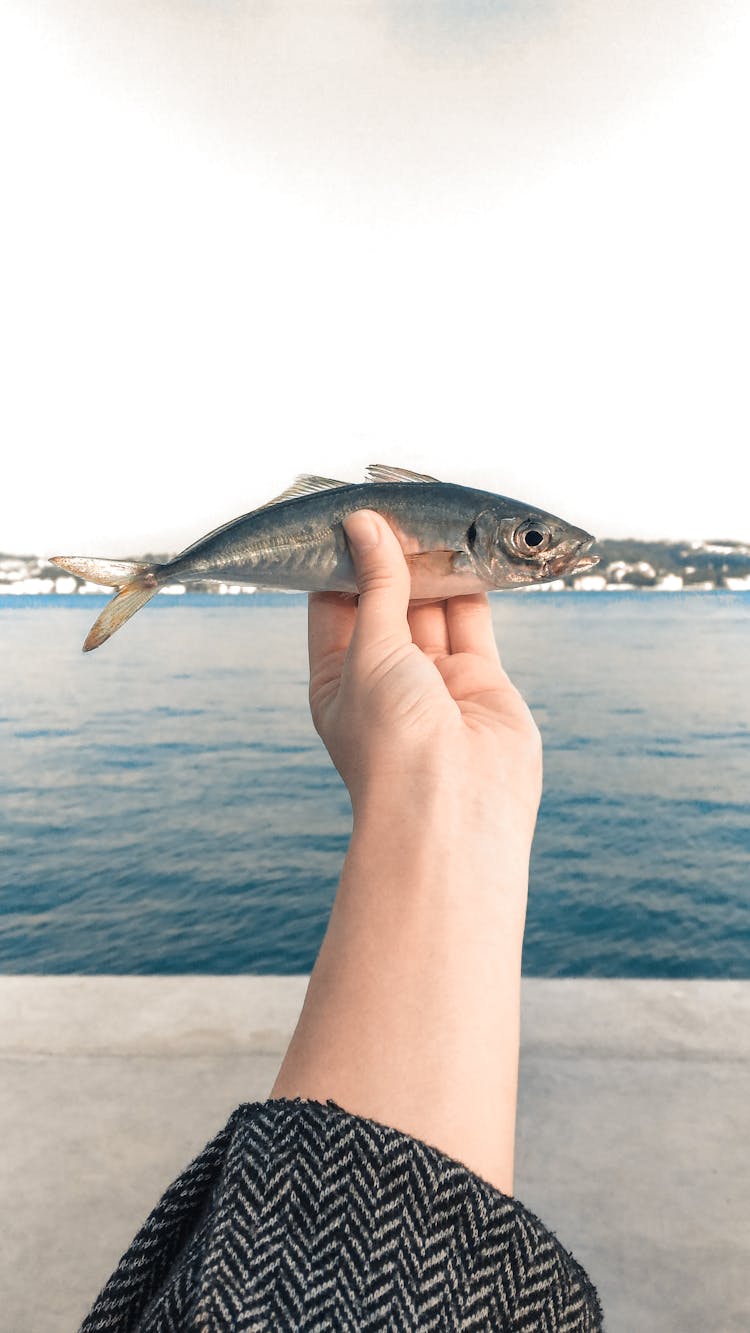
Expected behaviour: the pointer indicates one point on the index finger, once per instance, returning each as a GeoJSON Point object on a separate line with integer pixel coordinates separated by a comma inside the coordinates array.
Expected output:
{"type": "Point", "coordinates": [470, 626]}
{"type": "Point", "coordinates": [330, 621]}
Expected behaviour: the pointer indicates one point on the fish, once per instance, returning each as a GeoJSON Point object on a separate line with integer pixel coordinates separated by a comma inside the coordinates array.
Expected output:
{"type": "Point", "coordinates": [455, 540]}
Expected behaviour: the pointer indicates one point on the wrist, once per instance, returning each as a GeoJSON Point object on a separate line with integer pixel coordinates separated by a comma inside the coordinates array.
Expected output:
{"type": "Point", "coordinates": [440, 839]}
{"type": "Point", "coordinates": [443, 810]}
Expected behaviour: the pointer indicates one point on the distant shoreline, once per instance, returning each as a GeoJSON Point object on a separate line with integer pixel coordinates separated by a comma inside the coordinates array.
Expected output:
{"type": "Point", "coordinates": [8, 596]}
{"type": "Point", "coordinates": [624, 565]}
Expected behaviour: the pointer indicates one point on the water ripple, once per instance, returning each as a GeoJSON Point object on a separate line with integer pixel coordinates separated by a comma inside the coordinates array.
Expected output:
{"type": "Point", "coordinates": [167, 805]}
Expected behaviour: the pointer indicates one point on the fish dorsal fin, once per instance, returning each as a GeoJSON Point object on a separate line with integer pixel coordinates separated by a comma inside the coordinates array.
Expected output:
{"type": "Point", "coordinates": [304, 485]}
{"type": "Point", "coordinates": [382, 472]}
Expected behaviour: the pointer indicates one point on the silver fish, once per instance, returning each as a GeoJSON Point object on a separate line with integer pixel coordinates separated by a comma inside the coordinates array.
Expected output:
{"type": "Point", "coordinates": [455, 540]}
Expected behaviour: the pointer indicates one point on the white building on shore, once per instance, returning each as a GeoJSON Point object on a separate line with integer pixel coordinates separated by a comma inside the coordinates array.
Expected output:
{"type": "Point", "coordinates": [32, 576]}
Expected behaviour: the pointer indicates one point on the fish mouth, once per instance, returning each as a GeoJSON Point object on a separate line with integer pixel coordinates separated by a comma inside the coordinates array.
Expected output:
{"type": "Point", "coordinates": [586, 562]}
{"type": "Point", "coordinates": [576, 560]}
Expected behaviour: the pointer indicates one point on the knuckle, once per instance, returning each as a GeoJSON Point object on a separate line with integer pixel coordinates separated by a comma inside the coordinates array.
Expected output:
{"type": "Point", "coordinates": [378, 579]}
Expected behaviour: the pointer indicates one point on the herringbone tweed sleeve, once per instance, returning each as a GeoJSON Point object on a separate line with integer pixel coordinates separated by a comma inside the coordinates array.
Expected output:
{"type": "Point", "coordinates": [301, 1216]}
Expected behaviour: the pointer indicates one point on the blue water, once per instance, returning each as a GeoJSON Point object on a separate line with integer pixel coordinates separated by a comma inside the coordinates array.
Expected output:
{"type": "Point", "coordinates": [166, 806]}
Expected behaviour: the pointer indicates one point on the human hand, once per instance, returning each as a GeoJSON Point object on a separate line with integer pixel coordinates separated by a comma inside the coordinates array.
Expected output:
{"type": "Point", "coordinates": [411, 701]}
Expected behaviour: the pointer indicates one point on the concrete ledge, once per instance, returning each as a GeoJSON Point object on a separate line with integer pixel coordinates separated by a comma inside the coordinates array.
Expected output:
{"type": "Point", "coordinates": [167, 1016]}
{"type": "Point", "coordinates": [205, 1015]}
{"type": "Point", "coordinates": [632, 1138]}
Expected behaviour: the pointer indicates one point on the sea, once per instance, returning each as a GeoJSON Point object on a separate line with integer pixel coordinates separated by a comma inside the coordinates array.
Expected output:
{"type": "Point", "coordinates": [167, 807]}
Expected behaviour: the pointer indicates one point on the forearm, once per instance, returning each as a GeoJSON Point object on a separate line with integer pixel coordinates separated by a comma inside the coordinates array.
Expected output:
{"type": "Point", "coordinates": [412, 1012]}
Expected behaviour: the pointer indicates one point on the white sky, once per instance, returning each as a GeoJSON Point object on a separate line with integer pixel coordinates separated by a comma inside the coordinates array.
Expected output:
{"type": "Point", "coordinates": [502, 243]}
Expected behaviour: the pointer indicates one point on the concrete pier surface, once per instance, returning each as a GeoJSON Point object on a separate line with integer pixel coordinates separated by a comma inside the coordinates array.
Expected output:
{"type": "Point", "coordinates": [633, 1129]}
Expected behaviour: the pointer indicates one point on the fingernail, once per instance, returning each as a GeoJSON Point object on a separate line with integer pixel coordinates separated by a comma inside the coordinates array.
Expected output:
{"type": "Point", "coordinates": [361, 530]}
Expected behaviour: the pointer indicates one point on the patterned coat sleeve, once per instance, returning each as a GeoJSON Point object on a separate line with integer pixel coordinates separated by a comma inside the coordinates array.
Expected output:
{"type": "Point", "coordinates": [300, 1216]}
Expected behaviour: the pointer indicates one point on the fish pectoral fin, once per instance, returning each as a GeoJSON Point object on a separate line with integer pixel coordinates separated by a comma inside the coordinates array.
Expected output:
{"type": "Point", "coordinates": [439, 562]}
{"type": "Point", "coordinates": [382, 472]}
{"type": "Point", "coordinates": [306, 484]}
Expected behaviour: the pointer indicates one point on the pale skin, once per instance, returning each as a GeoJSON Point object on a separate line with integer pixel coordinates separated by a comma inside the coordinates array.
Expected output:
{"type": "Point", "coordinates": [411, 1017]}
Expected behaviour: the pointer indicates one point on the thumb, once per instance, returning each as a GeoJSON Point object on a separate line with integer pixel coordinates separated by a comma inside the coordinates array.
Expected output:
{"type": "Point", "coordinates": [383, 581]}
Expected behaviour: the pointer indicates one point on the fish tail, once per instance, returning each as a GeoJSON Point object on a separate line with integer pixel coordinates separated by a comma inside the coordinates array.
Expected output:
{"type": "Point", "coordinates": [137, 583]}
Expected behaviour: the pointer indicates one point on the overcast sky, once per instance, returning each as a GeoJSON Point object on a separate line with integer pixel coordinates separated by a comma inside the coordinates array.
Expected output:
{"type": "Point", "coordinates": [503, 243]}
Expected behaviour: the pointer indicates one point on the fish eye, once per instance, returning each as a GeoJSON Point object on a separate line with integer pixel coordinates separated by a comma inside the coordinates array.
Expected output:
{"type": "Point", "coordinates": [531, 537]}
